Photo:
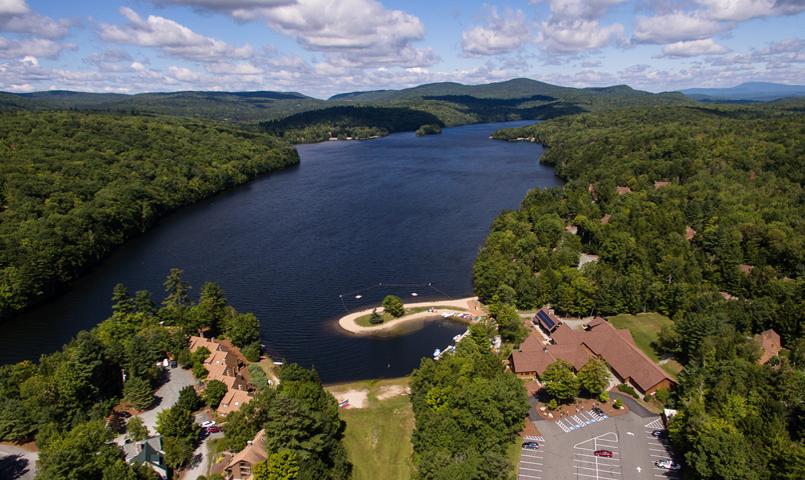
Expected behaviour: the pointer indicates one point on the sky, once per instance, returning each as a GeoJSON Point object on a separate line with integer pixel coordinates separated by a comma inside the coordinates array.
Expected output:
{"type": "Point", "coordinates": [323, 47]}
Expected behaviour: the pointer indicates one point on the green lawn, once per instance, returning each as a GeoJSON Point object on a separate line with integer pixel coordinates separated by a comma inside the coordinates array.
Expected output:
{"type": "Point", "coordinates": [378, 438]}
{"type": "Point", "coordinates": [644, 327]}
{"type": "Point", "coordinates": [363, 320]}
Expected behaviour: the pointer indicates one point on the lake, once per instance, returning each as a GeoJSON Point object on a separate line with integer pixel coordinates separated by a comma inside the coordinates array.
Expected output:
{"type": "Point", "coordinates": [296, 247]}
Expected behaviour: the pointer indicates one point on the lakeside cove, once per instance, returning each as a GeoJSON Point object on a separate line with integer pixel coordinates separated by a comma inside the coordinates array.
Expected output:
{"type": "Point", "coordinates": [433, 310]}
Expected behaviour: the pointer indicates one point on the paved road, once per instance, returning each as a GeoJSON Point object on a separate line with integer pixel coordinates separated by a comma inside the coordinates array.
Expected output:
{"type": "Point", "coordinates": [16, 463]}
{"type": "Point", "coordinates": [201, 459]}
{"type": "Point", "coordinates": [167, 395]}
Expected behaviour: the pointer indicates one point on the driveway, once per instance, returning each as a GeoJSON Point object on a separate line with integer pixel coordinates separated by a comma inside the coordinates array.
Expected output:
{"type": "Point", "coordinates": [17, 463]}
{"type": "Point", "coordinates": [167, 395]}
{"type": "Point", "coordinates": [201, 459]}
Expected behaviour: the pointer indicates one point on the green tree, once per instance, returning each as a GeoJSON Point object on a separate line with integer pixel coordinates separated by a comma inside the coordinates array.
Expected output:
{"type": "Point", "coordinates": [560, 382]}
{"type": "Point", "coordinates": [242, 328]}
{"type": "Point", "coordinates": [121, 301]}
{"type": "Point", "coordinates": [594, 376]}
{"type": "Point", "coordinates": [137, 392]}
{"type": "Point", "coordinates": [210, 311]}
{"type": "Point", "coordinates": [510, 325]}
{"type": "Point", "coordinates": [393, 306]}
{"type": "Point", "coordinates": [180, 434]}
{"type": "Point", "coordinates": [282, 465]}
{"type": "Point", "coordinates": [189, 399]}
{"type": "Point", "coordinates": [136, 429]}
{"type": "Point", "coordinates": [214, 392]}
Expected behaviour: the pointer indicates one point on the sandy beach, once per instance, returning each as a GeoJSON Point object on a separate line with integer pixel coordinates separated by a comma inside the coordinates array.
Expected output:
{"type": "Point", "coordinates": [347, 322]}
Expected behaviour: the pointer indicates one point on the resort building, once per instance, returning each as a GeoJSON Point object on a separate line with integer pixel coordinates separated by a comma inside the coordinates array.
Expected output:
{"type": "Point", "coordinates": [147, 452]}
{"type": "Point", "coordinates": [242, 464]}
{"type": "Point", "coordinates": [599, 339]}
{"type": "Point", "coordinates": [224, 366]}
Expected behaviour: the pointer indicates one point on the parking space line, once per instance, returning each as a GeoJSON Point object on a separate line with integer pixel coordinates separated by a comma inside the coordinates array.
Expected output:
{"type": "Point", "coordinates": [527, 476]}
{"type": "Point", "coordinates": [531, 469]}
{"type": "Point", "coordinates": [599, 477]}
{"type": "Point", "coordinates": [530, 463]}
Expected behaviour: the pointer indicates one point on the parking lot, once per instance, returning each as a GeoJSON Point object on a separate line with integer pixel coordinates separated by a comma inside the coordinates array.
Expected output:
{"type": "Point", "coordinates": [569, 455]}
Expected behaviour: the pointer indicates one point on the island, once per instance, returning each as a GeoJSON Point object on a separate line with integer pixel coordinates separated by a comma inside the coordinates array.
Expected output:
{"type": "Point", "coordinates": [414, 311]}
{"type": "Point", "coordinates": [428, 129]}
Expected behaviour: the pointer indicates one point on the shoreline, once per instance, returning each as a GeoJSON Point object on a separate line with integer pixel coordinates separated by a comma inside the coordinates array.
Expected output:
{"type": "Point", "coordinates": [348, 323]}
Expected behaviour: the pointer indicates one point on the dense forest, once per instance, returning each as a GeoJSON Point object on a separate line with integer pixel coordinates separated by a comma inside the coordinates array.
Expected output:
{"type": "Point", "coordinates": [468, 412]}
{"type": "Point", "coordinates": [73, 186]}
{"type": "Point", "coordinates": [695, 212]}
{"type": "Point", "coordinates": [348, 121]}
{"type": "Point", "coordinates": [65, 401]}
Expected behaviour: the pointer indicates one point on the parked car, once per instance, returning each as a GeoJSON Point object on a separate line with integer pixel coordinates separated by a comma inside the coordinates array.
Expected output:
{"type": "Point", "coordinates": [123, 414]}
{"type": "Point", "coordinates": [174, 364]}
{"type": "Point", "coordinates": [530, 445]}
{"type": "Point", "coordinates": [603, 453]}
{"type": "Point", "coordinates": [660, 433]}
{"type": "Point", "coordinates": [667, 464]}
{"type": "Point", "coordinates": [598, 411]}
{"type": "Point", "coordinates": [214, 429]}
{"type": "Point", "coordinates": [208, 424]}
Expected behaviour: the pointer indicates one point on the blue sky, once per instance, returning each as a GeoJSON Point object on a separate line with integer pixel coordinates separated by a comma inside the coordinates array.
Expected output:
{"type": "Point", "coordinates": [322, 47]}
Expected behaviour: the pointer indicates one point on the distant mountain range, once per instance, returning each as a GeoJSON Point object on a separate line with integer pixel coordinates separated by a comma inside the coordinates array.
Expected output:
{"type": "Point", "coordinates": [453, 103]}
{"type": "Point", "coordinates": [747, 92]}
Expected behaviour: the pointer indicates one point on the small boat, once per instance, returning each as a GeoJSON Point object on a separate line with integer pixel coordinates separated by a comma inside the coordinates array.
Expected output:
{"type": "Point", "coordinates": [414, 294]}
{"type": "Point", "coordinates": [358, 296]}
{"type": "Point", "coordinates": [437, 353]}
{"type": "Point", "coordinates": [458, 338]}
{"type": "Point", "coordinates": [343, 404]}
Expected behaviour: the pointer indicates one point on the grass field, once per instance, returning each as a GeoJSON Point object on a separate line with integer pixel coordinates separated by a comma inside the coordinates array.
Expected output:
{"type": "Point", "coordinates": [378, 438]}
{"type": "Point", "coordinates": [363, 320]}
{"type": "Point", "coordinates": [644, 327]}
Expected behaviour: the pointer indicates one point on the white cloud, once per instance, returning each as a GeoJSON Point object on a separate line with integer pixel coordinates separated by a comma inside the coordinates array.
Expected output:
{"type": "Point", "coordinates": [577, 36]}
{"type": "Point", "coordinates": [13, 7]}
{"type": "Point", "coordinates": [575, 9]}
{"type": "Point", "coordinates": [675, 27]}
{"type": "Point", "coordinates": [693, 48]}
{"type": "Point", "coordinates": [740, 10]}
{"type": "Point", "coordinates": [360, 31]}
{"type": "Point", "coordinates": [34, 47]}
{"type": "Point", "coordinates": [171, 37]}
{"type": "Point", "coordinates": [502, 34]}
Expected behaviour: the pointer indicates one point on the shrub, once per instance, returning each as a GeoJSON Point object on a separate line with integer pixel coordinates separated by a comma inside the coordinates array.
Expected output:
{"type": "Point", "coordinates": [199, 371]}
{"type": "Point", "coordinates": [136, 429]}
{"type": "Point", "coordinates": [184, 359]}
{"type": "Point", "coordinates": [603, 396]}
{"type": "Point", "coordinates": [662, 396]}
{"type": "Point", "coordinates": [553, 404]}
{"type": "Point", "coordinates": [376, 318]}
{"type": "Point", "coordinates": [628, 390]}
{"type": "Point", "coordinates": [257, 376]}
{"type": "Point", "coordinates": [618, 403]}
{"type": "Point", "coordinates": [252, 351]}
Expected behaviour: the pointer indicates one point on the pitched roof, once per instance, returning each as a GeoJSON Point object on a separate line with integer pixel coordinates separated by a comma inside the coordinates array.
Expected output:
{"type": "Point", "coordinates": [623, 190]}
{"type": "Point", "coordinates": [658, 184]}
{"type": "Point", "coordinates": [145, 451]}
{"type": "Point", "coordinates": [198, 342]}
{"type": "Point", "coordinates": [565, 335]}
{"type": "Point", "coordinates": [618, 349]}
{"type": "Point", "coordinates": [689, 233]}
{"type": "Point", "coordinates": [252, 454]}
{"type": "Point", "coordinates": [605, 219]}
{"type": "Point", "coordinates": [538, 360]}
{"type": "Point", "coordinates": [770, 344]}
{"type": "Point", "coordinates": [233, 400]}
{"type": "Point", "coordinates": [547, 319]}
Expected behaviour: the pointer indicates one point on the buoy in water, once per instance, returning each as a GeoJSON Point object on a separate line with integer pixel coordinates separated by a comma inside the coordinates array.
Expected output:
{"type": "Point", "coordinates": [414, 294]}
{"type": "Point", "coordinates": [358, 296]}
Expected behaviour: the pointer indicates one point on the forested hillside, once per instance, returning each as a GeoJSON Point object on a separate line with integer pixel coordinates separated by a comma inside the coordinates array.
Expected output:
{"type": "Point", "coordinates": [695, 213]}
{"type": "Point", "coordinates": [73, 186]}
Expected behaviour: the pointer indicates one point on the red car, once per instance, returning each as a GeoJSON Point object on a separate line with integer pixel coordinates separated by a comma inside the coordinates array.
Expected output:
{"type": "Point", "coordinates": [603, 453]}
{"type": "Point", "coordinates": [214, 429]}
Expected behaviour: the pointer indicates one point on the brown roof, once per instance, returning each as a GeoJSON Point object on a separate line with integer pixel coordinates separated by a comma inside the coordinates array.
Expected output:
{"type": "Point", "coordinates": [623, 190]}
{"type": "Point", "coordinates": [689, 233]}
{"type": "Point", "coordinates": [538, 360]}
{"type": "Point", "coordinates": [661, 183]}
{"type": "Point", "coordinates": [728, 296]}
{"type": "Point", "coordinates": [233, 400]}
{"type": "Point", "coordinates": [745, 268]}
{"type": "Point", "coordinates": [198, 342]}
{"type": "Point", "coordinates": [622, 355]}
{"type": "Point", "coordinates": [253, 453]}
{"type": "Point", "coordinates": [616, 347]}
{"type": "Point", "coordinates": [770, 344]}
{"type": "Point", "coordinates": [605, 219]}
{"type": "Point", "coordinates": [564, 335]}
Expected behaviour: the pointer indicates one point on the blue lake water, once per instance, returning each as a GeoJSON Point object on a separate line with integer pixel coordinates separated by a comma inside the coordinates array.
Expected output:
{"type": "Point", "coordinates": [297, 246]}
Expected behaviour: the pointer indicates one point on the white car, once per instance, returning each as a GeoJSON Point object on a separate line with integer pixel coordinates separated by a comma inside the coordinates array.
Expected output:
{"type": "Point", "coordinates": [207, 424]}
{"type": "Point", "coordinates": [667, 464]}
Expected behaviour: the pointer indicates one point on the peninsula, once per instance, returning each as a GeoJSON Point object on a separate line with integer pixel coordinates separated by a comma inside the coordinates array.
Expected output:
{"type": "Point", "coordinates": [350, 323]}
